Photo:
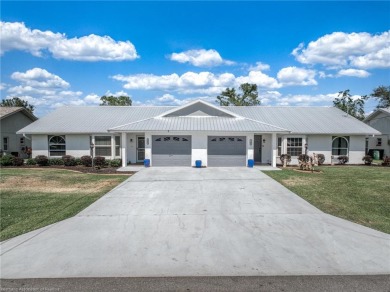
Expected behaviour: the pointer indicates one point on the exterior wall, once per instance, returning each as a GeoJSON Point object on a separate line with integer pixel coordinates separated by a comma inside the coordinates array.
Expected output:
{"type": "Point", "coordinates": [9, 126]}
{"type": "Point", "coordinates": [357, 146]}
{"type": "Point", "coordinates": [199, 144]}
{"type": "Point", "coordinates": [77, 145]}
{"type": "Point", "coordinates": [322, 144]}
{"type": "Point", "coordinates": [40, 145]}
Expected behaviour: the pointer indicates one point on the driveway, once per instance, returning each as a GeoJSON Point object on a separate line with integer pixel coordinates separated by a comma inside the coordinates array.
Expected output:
{"type": "Point", "coordinates": [197, 222]}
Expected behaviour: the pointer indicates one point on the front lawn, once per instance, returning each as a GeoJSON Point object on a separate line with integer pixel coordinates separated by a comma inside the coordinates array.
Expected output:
{"type": "Point", "coordinates": [357, 193]}
{"type": "Point", "coordinates": [32, 198]}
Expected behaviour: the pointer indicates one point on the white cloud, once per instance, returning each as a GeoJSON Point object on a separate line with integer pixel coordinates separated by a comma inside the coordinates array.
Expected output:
{"type": "Point", "coordinates": [296, 76]}
{"type": "Point", "coordinates": [259, 67]}
{"type": "Point", "coordinates": [3, 86]}
{"type": "Point", "coordinates": [43, 89]}
{"type": "Point", "coordinates": [116, 94]}
{"type": "Point", "coordinates": [41, 78]}
{"type": "Point", "coordinates": [170, 100]}
{"type": "Point", "coordinates": [200, 58]}
{"type": "Point", "coordinates": [354, 73]}
{"type": "Point", "coordinates": [16, 36]}
{"type": "Point", "coordinates": [259, 78]}
{"type": "Point", "coordinates": [190, 82]}
{"type": "Point", "coordinates": [92, 99]}
{"type": "Point", "coordinates": [339, 49]}
{"type": "Point", "coordinates": [304, 99]}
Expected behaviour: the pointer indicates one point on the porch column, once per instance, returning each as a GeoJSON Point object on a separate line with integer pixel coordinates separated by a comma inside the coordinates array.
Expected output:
{"type": "Point", "coordinates": [124, 149]}
{"type": "Point", "coordinates": [274, 149]}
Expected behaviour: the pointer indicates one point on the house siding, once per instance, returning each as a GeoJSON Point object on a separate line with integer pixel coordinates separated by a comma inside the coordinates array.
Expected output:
{"type": "Point", "coordinates": [382, 123]}
{"type": "Point", "coordinates": [9, 126]}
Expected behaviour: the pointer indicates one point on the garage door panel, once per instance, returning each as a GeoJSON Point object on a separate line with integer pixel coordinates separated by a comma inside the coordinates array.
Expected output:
{"type": "Point", "coordinates": [226, 151]}
{"type": "Point", "coordinates": [171, 160]}
{"type": "Point", "coordinates": [226, 160]}
{"type": "Point", "coordinates": [171, 150]}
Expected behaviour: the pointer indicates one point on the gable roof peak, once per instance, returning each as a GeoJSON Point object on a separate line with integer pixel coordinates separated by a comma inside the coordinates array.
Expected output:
{"type": "Point", "coordinates": [196, 106]}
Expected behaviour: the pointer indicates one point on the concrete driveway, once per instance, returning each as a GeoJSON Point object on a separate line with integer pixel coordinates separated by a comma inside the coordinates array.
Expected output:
{"type": "Point", "coordinates": [197, 222]}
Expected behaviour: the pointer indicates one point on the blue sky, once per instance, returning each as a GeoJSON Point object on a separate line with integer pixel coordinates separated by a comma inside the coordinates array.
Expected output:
{"type": "Point", "coordinates": [168, 53]}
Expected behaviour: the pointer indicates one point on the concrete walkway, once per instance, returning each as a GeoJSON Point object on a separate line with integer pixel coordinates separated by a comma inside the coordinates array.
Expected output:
{"type": "Point", "coordinates": [197, 222]}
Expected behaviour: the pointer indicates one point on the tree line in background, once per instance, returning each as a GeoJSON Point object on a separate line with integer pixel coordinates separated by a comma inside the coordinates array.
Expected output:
{"type": "Point", "coordinates": [247, 95]}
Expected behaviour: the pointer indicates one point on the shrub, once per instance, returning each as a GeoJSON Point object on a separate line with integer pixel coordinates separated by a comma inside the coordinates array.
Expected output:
{"type": "Point", "coordinates": [321, 159]}
{"type": "Point", "coordinates": [31, 161]}
{"type": "Point", "coordinates": [343, 159]}
{"type": "Point", "coordinates": [286, 157]}
{"type": "Point", "coordinates": [367, 159]}
{"type": "Point", "coordinates": [78, 161]}
{"type": "Point", "coordinates": [107, 162]}
{"type": "Point", "coordinates": [55, 161]}
{"type": "Point", "coordinates": [17, 161]}
{"type": "Point", "coordinates": [86, 160]}
{"type": "Point", "coordinates": [6, 160]}
{"type": "Point", "coordinates": [303, 157]}
{"type": "Point", "coordinates": [99, 161]}
{"type": "Point", "coordinates": [116, 163]}
{"type": "Point", "coordinates": [386, 161]}
{"type": "Point", "coordinates": [69, 160]}
{"type": "Point", "coordinates": [42, 160]}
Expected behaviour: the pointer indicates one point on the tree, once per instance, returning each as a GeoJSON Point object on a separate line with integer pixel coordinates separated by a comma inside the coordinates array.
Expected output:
{"type": "Point", "coordinates": [116, 100]}
{"type": "Point", "coordinates": [17, 102]}
{"type": "Point", "coordinates": [353, 107]}
{"type": "Point", "coordinates": [249, 96]}
{"type": "Point", "coordinates": [382, 95]}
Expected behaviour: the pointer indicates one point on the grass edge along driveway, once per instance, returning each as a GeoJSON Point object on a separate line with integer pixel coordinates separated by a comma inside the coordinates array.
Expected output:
{"type": "Point", "coordinates": [356, 193]}
{"type": "Point", "coordinates": [31, 199]}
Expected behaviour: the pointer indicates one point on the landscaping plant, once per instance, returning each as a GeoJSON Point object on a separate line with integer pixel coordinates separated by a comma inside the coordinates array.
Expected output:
{"type": "Point", "coordinates": [42, 160]}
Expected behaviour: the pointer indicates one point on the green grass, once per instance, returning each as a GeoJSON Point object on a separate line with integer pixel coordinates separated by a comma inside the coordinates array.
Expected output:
{"type": "Point", "coordinates": [357, 193]}
{"type": "Point", "coordinates": [31, 199]}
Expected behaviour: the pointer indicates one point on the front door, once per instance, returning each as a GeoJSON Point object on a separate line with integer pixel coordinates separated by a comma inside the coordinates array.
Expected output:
{"type": "Point", "coordinates": [257, 148]}
{"type": "Point", "coordinates": [140, 148]}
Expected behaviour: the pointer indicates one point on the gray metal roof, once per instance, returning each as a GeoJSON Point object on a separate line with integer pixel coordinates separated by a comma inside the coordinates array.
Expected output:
{"type": "Point", "coordinates": [90, 119]}
{"type": "Point", "coordinates": [306, 120]}
{"type": "Point", "coordinates": [100, 119]}
{"type": "Point", "coordinates": [216, 124]}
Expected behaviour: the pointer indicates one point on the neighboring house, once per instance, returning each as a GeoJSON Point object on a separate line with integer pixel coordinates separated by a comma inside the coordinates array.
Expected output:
{"type": "Point", "coordinates": [218, 136]}
{"type": "Point", "coordinates": [380, 120]}
{"type": "Point", "coordinates": [13, 119]}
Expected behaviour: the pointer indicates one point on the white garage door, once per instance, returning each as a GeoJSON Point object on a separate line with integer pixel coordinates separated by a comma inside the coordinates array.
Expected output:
{"type": "Point", "coordinates": [171, 150]}
{"type": "Point", "coordinates": [226, 151]}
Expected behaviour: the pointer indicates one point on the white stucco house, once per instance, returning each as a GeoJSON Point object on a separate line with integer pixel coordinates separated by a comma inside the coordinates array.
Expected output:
{"type": "Point", "coordinates": [379, 120]}
{"type": "Point", "coordinates": [218, 136]}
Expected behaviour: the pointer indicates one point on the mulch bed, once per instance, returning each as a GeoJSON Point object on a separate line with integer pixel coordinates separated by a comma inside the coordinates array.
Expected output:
{"type": "Point", "coordinates": [78, 168]}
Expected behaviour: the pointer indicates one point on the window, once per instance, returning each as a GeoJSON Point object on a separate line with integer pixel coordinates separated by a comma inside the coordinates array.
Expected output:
{"type": "Point", "coordinates": [279, 146]}
{"type": "Point", "coordinates": [57, 146]}
{"type": "Point", "coordinates": [21, 141]}
{"type": "Point", "coordinates": [167, 139]}
{"type": "Point", "coordinates": [176, 139]}
{"type": "Point", "coordinates": [102, 145]}
{"type": "Point", "coordinates": [5, 143]}
{"type": "Point", "coordinates": [222, 139]}
{"type": "Point", "coordinates": [294, 146]}
{"type": "Point", "coordinates": [231, 139]}
{"type": "Point", "coordinates": [340, 146]}
{"type": "Point", "coordinates": [379, 142]}
{"type": "Point", "coordinates": [117, 145]}
{"type": "Point", "coordinates": [184, 139]}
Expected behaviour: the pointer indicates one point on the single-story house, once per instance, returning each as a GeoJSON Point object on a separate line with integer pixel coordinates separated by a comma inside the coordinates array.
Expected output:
{"type": "Point", "coordinates": [379, 120]}
{"type": "Point", "coordinates": [13, 119]}
{"type": "Point", "coordinates": [218, 136]}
